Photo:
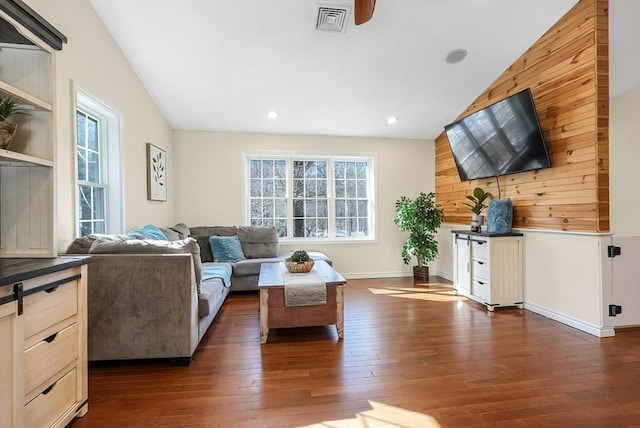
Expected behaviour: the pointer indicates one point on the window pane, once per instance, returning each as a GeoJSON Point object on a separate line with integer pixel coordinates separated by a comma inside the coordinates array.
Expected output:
{"type": "Point", "coordinates": [341, 208]}
{"type": "Point", "coordinates": [256, 169]}
{"type": "Point", "coordinates": [256, 188]}
{"type": "Point", "coordinates": [267, 169]}
{"type": "Point", "coordinates": [310, 189]}
{"type": "Point", "coordinates": [85, 203]}
{"type": "Point", "coordinates": [280, 207]}
{"type": "Point", "coordinates": [351, 189]}
{"type": "Point", "coordinates": [353, 227]}
{"type": "Point", "coordinates": [80, 129]}
{"type": "Point", "coordinates": [280, 169]}
{"type": "Point", "coordinates": [281, 225]}
{"type": "Point", "coordinates": [298, 169]}
{"type": "Point", "coordinates": [99, 227]}
{"type": "Point", "coordinates": [323, 210]}
{"type": "Point", "coordinates": [322, 228]}
{"type": "Point", "coordinates": [363, 229]}
{"type": "Point", "coordinates": [267, 188]}
{"type": "Point", "coordinates": [340, 189]}
{"type": "Point", "coordinates": [351, 208]}
{"type": "Point", "coordinates": [363, 209]}
{"type": "Point", "coordinates": [361, 188]}
{"type": "Point", "coordinates": [256, 208]}
{"type": "Point", "coordinates": [322, 188]}
{"type": "Point", "coordinates": [92, 134]}
{"type": "Point", "coordinates": [361, 170]}
{"type": "Point", "coordinates": [341, 230]}
{"type": "Point", "coordinates": [93, 168]}
{"type": "Point", "coordinates": [298, 228]}
{"type": "Point", "coordinates": [298, 188]}
{"type": "Point", "coordinates": [322, 169]}
{"type": "Point", "coordinates": [310, 169]}
{"type": "Point", "coordinates": [280, 190]}
{"type": "Point", "coordinates": [82, 164]}
{"type": "Point", "coordinates": [298, 208]}
{"type": "Point", "coordinates": [85, 229]}
{"type": "Point", "coordinates": [310, 208]}
{"type": "Point", "coordinates": [267, 209]}
{"type": "Point", "coordinates": [351, 170]}
{"type": "Point", "coordinates": [98, 203]}
{"type": "Point", "coordinates": [339, 170]}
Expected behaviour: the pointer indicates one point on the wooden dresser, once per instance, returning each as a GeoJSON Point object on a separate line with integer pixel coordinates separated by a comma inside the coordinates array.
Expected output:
{"type": "Point", "coordinates": [43, 332]}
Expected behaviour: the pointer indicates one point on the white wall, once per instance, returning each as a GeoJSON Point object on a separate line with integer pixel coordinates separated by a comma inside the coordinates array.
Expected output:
{"type": "Point", "coordinates": [209, 183]}
{"type": "Point", "coordinates": [92, 60]}
{"type": "Point", "coordinates": [624, 163]}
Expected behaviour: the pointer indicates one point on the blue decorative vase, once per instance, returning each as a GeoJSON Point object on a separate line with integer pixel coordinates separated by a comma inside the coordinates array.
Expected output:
{"type": "Point", "coordinates": [500, 216]}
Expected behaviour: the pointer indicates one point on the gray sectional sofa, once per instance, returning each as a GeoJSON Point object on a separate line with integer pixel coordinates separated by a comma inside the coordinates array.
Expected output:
{"type": "Point", "coordinates": [156, 298]}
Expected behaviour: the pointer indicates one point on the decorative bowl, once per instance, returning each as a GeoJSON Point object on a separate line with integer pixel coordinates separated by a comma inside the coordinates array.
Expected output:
{"type": "Point", "coordinates": [295, 267]}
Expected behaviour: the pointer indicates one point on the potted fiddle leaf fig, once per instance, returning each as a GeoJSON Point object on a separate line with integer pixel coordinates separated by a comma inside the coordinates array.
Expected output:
{"type": "Point", "coordinates": [477, 206]}
{"type": "Point", "coordinates": [421, 217]}
{"type": "Point", "coordinates": [8, 108]}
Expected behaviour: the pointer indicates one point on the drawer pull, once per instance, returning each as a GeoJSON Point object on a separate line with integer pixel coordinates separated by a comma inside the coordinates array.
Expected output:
{"type": "Point", "coordinates": [51, 338]}
{"type": "Point", "coordinates": [51, 290]}
{"type": "Point", "coordinates": [48, 390]}
{"type": "Point", "coordinates": [480, 282]}
{"type": "Point", "coordinates": [480, 263]}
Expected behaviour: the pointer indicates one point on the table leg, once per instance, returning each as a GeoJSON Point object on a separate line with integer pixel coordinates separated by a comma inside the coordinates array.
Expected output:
{"type": "Point", "coordinates": [340, 311]}
{"type": "Point", "coordinates": [264, 315]}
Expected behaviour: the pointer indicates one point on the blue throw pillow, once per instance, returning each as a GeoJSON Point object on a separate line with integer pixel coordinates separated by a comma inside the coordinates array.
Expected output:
{"type": "Point", "coordinates": [499, 216]}
{"type": "Point", "coordinates": [148, 231]}
{"type": "Point", "coordinates": [226, 249]}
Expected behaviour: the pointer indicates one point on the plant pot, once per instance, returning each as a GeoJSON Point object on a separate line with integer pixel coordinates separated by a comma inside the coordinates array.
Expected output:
{"type": "Point", "coordinates": [476, 222]}
{"type": "Point", "coordinates": [295, 267]}
{"type": "Point", "coordinates": [421, 273]}
{"type": "Point", "coordinates": [7, 132]}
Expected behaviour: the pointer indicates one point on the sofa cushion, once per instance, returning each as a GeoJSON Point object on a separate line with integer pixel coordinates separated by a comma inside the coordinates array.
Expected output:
{"type": "Point", "coordinates": [226, 249]}
{"type": "Point", "coordinates": [150, 246]}
{"type": "Point", "coordinates": [213, 230]}
{"type": "Point", "coordinates": [205, 248]}
{"type": "Point", "coordinates": [182, 230]}
{"type": "Point", "coordinates": [170, 234]}
{"type": "Point", "coordinates": [83, 244]}
{"type": "Point", "coordinates": [258, 242]}
{"type": "Point", "coordinates": [211, 291]}
{"type": "Point", "coordinates": [148, 231]}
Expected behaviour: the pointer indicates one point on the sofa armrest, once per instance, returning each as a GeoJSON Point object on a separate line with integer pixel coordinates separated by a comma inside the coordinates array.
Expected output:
{"type": "Point", "coordinates": [142, 306]}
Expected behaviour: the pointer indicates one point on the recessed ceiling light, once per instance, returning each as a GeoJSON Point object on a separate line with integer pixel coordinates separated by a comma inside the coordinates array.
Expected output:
{"type": "Point", "coordinates": [273, 115]}
{"type": "Point", "coordinates": [456, 56]}
{"type": "Point", "coordinates": [391, 120]}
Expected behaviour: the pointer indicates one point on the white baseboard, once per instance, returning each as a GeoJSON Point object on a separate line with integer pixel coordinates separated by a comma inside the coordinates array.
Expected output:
{"type": "Point", "coordinates": [571, 322]}
{"type": "Point", "coordinates": [373, 275]}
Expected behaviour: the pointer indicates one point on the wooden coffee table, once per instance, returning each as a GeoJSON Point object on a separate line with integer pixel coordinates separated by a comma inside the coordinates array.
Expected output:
{"type": "Point", "coordinates": [274, 313]}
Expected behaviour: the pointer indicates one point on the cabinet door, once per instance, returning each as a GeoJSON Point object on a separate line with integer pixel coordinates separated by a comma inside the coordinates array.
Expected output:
{"type": "Point", "coordinates": [461, 265]}
{"type": "Point", "coordinates": [10, 375]}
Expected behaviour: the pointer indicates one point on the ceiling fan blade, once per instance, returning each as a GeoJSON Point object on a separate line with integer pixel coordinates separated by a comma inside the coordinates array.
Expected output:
{"type": "Point", "coordinates": [363, 10]}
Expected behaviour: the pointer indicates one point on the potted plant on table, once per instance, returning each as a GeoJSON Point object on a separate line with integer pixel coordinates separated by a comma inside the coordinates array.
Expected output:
{"type": "Point", "coordinates": [479, 197]}
{"type": "Point", "coordinates": [299, 262]}
{"type": "Point", "coordinates": [422, 218]}
{"type": "Point", "coordinates": [8, 108]}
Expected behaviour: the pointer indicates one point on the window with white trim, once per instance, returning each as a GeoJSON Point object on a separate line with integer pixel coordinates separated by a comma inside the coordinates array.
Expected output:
{"type": "Point", "coordinates": [312, 197]}
{"type": "Point", "coordinates": [98, 168]}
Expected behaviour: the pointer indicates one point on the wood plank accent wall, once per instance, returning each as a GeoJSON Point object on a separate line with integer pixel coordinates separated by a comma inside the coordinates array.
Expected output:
{"type": "Point", "coordinates": [567, 70]}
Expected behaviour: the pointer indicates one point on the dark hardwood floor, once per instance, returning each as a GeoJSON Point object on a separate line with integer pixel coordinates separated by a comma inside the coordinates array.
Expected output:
{"type": "Point", "coordinates": [413, 356]}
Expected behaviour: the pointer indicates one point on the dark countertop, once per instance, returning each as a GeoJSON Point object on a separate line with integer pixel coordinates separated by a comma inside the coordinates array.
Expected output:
{"type": "Point", "coordinates": [16, 270]}
{"type": "Point", "coordinates": [485, 234]}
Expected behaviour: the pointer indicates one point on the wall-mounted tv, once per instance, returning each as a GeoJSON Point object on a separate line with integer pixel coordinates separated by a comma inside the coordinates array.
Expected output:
{"type": "Point", "coordinates": [503, 138]}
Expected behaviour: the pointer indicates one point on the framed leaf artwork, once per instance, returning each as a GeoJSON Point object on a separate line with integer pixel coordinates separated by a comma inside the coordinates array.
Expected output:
{"type": "Point", "coordinates": [156, 173]}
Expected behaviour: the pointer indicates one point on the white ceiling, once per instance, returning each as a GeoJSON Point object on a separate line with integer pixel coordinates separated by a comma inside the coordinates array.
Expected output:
{"type": "Point", "coordinates": [221, 65]}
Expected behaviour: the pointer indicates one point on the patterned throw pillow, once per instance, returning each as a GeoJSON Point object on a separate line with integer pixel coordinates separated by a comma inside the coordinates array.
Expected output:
{"type": "Point", "coordinates": [226, 249]}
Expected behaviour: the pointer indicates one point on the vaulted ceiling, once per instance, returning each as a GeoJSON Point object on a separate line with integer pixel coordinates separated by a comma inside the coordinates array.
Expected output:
{"type": "Point", "coordinates": [222, 65]}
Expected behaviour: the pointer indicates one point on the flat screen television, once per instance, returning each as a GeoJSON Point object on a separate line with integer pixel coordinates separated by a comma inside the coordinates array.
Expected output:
{"type": "Point", "coordinates": [503, 138]}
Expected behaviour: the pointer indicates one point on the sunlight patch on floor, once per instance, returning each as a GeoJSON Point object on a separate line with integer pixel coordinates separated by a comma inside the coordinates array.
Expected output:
{"type": "Point", "coordinates": [434, 293]}
{"type": "Point", "coordinates": [382, 415]}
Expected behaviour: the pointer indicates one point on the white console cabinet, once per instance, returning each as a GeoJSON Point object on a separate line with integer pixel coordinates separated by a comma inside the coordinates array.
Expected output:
{"type": "Point", "coordinates": [488, 268]}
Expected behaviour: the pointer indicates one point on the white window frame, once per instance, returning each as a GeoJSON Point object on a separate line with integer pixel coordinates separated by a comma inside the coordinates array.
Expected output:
{"type": "Point", "coordinates": [111, 164]}
{"type": "Point", "coordinates": [289, 158]}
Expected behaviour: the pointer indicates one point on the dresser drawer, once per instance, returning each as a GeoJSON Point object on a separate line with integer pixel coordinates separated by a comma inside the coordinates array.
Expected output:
{"type": "Point", "coordinates": [481, 289]}
{"type": "Point", "coordinates": [480, 269]}
{"type": "Point", "coordinates": [480, 249]}
{"type": "Point", "coordinates": [49, 356]}
{"type": "Point", "coordinates": [52, 403]}
{"type": "Point", "coordinates": [46, 308]}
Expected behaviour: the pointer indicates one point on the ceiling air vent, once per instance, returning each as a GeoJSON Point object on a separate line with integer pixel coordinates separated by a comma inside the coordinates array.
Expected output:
{"type": "Point", "coordinates": [332, 18]}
